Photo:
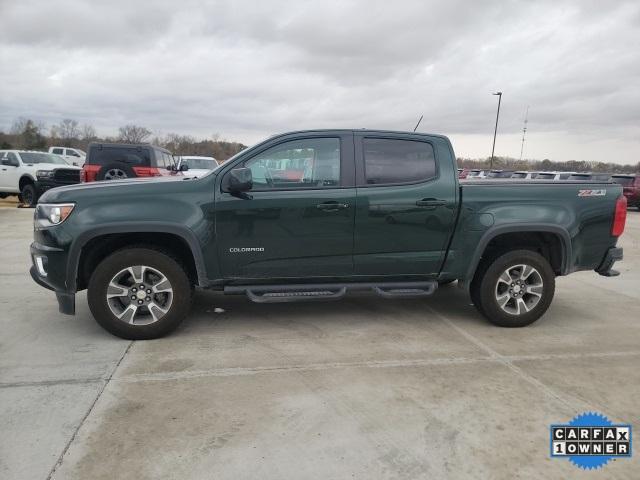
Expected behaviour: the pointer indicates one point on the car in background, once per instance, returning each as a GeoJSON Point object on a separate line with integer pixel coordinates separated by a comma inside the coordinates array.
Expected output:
{"type": "Point", "coordinates": [463, 173]}
{"type": "Point", "coordinates": [500, 174]}
{"type": "Point", "coordinates": [524, 175]}
{"type": "Point", "coordinates": [29, 174]}
{"type": "Point", "coordinates": [476, 174]}
{"type": "Point", "coordinates": [553, 175]}
{"type": "Point", "coordinates": [73, 156]}
{"type": "Point", "coordinates": [117, 161]}
{"type": "Point", "coordinates": [630, 188]}
{"type": "Point", "coordinates": [584, 176]}
{"type": "Point", "coordinates": [195, 166]}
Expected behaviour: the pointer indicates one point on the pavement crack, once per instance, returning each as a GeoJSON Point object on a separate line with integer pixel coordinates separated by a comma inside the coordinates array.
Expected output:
{"type": "Point", "coordinates": [84, 418]}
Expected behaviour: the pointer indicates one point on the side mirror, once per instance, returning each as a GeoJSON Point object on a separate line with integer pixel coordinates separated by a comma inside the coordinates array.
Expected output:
{"type": "Point", "coordinates": [239, 180]}
{"type": "Point", "coordinates": [184, 167]}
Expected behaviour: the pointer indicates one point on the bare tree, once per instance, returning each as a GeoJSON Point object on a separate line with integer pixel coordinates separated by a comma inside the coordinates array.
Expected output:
{"type": "Point", "coordinates": [133, 134]}
{"type": "Point", "coordinates": [28, 133]}
{"type": "Point", "coordinates": [67, 131]}
{"type": "Point", "coordinates": [88, 133]}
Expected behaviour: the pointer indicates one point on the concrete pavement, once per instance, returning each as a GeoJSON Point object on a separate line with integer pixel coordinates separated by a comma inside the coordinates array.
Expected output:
{"type": "Point", "coordinates": [360, 388]}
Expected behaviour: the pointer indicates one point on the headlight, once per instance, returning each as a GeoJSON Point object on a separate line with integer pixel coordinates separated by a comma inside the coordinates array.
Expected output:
{"type": "Point", "coordinates": [44, 174]}
{"type": "Point", "coordinates": [49, 214]}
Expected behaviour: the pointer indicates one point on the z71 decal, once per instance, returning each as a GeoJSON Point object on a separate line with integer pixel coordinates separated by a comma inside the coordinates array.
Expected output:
{"type": "Point", "coordinates": [592, 193]}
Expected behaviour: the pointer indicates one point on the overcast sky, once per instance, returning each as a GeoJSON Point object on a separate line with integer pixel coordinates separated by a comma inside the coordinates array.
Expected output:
{"type": "Point", "coordinates": [246, 70]}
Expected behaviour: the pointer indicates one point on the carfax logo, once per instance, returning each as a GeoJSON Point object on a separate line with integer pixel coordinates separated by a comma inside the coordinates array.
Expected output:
{"type": "Point", "coordinates": [590, 440]}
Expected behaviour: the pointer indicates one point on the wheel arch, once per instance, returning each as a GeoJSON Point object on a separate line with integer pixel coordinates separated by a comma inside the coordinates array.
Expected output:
{"type": "Point", "coordinates": [92, 246]}
{"type": "Point", "coordinates": [24, 180]}
{"type": "Point", "coordinates": [559, 254]}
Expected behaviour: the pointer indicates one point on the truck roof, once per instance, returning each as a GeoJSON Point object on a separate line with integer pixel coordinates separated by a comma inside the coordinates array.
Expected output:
{"type": "Point", "coordinates": [360, 130]}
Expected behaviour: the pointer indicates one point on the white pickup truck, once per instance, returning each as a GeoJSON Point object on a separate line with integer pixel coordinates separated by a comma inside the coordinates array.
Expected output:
{"type": "Point", "coordinates": [29, 174]}
{"type": "Point", "coordinates": [73, 156]}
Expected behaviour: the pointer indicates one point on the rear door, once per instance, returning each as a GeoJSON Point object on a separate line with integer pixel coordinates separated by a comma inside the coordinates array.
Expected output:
{"type": "Point", "coordinates": [297, 221]}
{"type": "Point", "coordinates": [406, 204]}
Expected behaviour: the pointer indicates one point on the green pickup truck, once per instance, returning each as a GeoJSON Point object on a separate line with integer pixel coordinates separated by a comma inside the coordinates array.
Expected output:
{"type": "Point", "coordinates": [312, 215]}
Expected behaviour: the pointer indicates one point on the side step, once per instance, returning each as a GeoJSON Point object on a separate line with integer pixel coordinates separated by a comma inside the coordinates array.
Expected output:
{"type": "Point", "coordinates": [330, 291]}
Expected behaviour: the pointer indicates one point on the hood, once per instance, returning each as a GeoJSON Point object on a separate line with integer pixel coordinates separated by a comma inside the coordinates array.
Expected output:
{"type": "Point", "coordinates": [112, 188]}
{"type": "Point", "coordinates": [51, 166]}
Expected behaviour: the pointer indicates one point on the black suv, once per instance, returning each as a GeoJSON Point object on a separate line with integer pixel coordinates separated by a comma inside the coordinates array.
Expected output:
{"type": "Point", "coordinates": [115, 161]}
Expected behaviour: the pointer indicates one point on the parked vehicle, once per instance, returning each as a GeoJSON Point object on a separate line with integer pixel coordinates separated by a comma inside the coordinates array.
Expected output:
{"type": "Point", "coordinates": [29, 174]}
{"type": "Point", "coordinates": [553, 175]}
{"type": "Point", "coordinates": [463, 173]}
{"type": "Point", "coordinates": [73, 156]}
{"type": "Point", "coordinates": [380, 211]}
{"type": "Point", "coordinates": [600, 177]}
{"type": "Point", "coordinates": [477, 174]}
{"type": "Point", "coordinates": [630, 188]}
{"type": "Point", "coordinates": [117, 161]}
{"type": "Point", "coordinates": [524, 175]}
{"type": "Point", "coordinates": [500, 174]}
{"type": "Point", "coordinates": [194, 166]}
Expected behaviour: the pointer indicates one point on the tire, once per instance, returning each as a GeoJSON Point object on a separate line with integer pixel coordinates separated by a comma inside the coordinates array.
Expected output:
{"type": "Point", "coordinates": [522, 299]}
{"type": "Point", "coordinates": [115, 171]}
{"type": "Point", "coordinates": [29, 195]}
{"type": "Point", "coordinates": [159, 313]}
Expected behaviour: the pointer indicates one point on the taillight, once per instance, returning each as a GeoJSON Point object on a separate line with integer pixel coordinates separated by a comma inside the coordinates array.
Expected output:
{"type": "Point", "coordinates": [147, 171]}
{"type": "Point", "coordinates": [89, 173]}
{"type": "Point", "coordinates": [619, 217]}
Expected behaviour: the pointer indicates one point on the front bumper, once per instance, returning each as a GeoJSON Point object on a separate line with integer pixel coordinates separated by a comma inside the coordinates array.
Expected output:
{"type": "Point", "coordinates": [612, 256]}
{"type": "Point", "coordinates": [49, 271]}
{"type": "Point", "coordinates": [44, 185]}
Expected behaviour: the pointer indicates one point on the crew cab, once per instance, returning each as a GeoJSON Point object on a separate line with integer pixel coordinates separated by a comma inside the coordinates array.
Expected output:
{"type": "Point", "coordinates": [375, 211]}
{"type": "Point", "coordinates": [630, 188]}
{"type": "Point", "coordinates": [117, 161]}
{"type": "Point", "coordinates": [28, 174]}
{"type": "Point", "coordinates": [73, 156]}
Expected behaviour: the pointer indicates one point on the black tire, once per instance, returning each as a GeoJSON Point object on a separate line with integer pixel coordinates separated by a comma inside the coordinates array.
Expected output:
{"type": "Point", "coordinates": [485, 289]}
{"type": "Point", "coordinates": [29, 195]}
{"type": "Point", "coordinates": [157, 260]}
{"type": "Point", "coordinates": [115, 171]}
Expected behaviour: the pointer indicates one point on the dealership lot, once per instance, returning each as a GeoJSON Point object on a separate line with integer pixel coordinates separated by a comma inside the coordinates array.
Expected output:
{"type": "Point", "coordinates": [363, 387]}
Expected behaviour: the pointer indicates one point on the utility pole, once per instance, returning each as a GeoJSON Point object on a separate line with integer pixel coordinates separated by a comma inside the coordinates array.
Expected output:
{"type": "Point", "coordinates": [524, 130]}
{"type": "Point", "coordinates": [499, 94]}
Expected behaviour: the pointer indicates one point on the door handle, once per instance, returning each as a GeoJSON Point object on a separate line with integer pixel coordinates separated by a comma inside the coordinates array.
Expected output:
{"type": "Point", "coordinates": [431, 202]}
{"type": "Point", "coordinates": [332, 206]}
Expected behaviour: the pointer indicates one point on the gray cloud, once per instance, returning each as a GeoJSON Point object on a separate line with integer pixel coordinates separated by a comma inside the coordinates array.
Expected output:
{"type": "Point", "coordinates": [249, 69]}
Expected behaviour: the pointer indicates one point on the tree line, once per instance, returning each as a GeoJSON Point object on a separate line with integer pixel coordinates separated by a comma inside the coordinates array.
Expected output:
{"type": "Point", "coordinates": [27, 134]}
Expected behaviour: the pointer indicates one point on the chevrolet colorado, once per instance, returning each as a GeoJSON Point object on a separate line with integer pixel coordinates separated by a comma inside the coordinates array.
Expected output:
{"type": "Point", "coordinates": [371, 210]}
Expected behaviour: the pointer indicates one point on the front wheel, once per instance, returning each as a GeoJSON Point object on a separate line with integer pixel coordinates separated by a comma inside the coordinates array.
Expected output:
{"type": "Point", "coordinates": [28, 195]}
{"type": "Point", "coordinates": [515, 289]}
{"type": "Point", "coordinates": [139, 293]}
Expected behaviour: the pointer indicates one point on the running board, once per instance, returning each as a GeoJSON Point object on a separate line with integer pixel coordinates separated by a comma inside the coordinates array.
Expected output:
{"type": "Point", "coordinates": [330, 291]}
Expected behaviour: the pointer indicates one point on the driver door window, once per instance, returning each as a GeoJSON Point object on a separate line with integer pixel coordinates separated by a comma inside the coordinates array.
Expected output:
{"type": "Point", "coordinates": [308, 163]}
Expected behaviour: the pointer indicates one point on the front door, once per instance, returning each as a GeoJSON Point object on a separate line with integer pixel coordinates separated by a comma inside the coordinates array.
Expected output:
{"type": "Point", "coordinates": [406, 204]}
{"type": "Point", "coordinates": [297, 221]}
{"type": "Point", "coordinates": [9, 172]}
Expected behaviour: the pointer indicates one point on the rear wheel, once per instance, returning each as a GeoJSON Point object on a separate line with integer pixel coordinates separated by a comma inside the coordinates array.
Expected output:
{"type": "Point", "coordinates": [514, 289]}
{"type": "Point", "coordinates": [139, 293]}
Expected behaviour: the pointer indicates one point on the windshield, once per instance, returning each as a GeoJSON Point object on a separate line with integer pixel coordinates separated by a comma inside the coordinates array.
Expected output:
{"type": "Point", "coordinates": [200, 163]}
{"type": "Point", "coordinates": [35, 157]}
{"type": "Point", "coordinates": [624, 181]}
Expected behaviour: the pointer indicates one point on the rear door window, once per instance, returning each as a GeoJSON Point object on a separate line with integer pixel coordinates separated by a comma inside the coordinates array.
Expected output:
{"type": "Point", "coordinates": [57, 151]}
{"type": "Point", "coordinates": [395, 161]}
{"type": "Point", "coordinates": [131, 155]}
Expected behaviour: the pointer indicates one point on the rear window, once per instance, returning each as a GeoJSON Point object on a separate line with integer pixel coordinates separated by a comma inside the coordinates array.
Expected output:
{"type": "Point", "coordinates": [579, 177]}
{"type": "Point", "coordinates": [131, 155]}
{"type": "Point", "coordinates": [390, 161]}
{"type": "Point", "coordinates": [624, 181]}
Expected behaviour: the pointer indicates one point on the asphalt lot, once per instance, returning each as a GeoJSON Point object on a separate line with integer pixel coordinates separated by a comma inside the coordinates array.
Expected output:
{"type": "Point", "coordinates": [360, 388]}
